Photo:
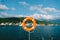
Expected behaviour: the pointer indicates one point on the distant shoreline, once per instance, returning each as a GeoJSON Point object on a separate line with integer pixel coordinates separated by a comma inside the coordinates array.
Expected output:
{"type": "Point", "coordinates": [19, 24]}
{"type": "Point", "coordinates": [18, 21]}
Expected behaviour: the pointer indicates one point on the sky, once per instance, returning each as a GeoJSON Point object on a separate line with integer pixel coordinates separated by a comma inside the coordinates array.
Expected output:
{"type": "Point", "coordinates": [39, 9]}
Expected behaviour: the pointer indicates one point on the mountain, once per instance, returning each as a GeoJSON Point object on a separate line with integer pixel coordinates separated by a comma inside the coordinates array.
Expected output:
{"type": "Point", "coordinates": [55, 21]}
{"type": "Point", "coordinates": [19, 19]}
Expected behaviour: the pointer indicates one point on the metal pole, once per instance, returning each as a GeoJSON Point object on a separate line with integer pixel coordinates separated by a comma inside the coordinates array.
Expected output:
{"type": "Point", "coordinates": [29, 36]}
{"type": "Point", "coordinates": [51, 38]}
{"type": "Point", "coordinates": [42, 38]}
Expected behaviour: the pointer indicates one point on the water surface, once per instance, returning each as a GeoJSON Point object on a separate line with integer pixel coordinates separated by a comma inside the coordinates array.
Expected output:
{"type": "Point", "coordinates": [40, 33]}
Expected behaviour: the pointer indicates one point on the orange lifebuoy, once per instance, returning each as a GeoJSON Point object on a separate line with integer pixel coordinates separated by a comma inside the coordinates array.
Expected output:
{"type": "Point", "coordinates": [24, 25]}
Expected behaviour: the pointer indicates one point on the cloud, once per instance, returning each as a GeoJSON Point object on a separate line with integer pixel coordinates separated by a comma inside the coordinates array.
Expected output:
{"type": "Point", "coordinates": [43, 16]}
{"type": "Point", "coordinates": [4, 14]}
{"type": "Point", "coordinates": [4, 7]}
{"type": "Point", "coordinates": [51, 9]}
{"type": "Point", "coordinates": [23, 3]}
{"type": "Point", "coordinates": [35, 15]}
{"type": "Point", "coordinates": [13, 9]}
{"type": "Point", "coordinates": [42, 9]}
{"type": "Point", "coordinates": [0, 16]}
{"type": "Point", "coordinates": [40, 16]}
{"type": "Point", "coordinates": [45, 12]}
{"type": "Point", "coordinates": [19, 16]}
{"type": "Point", "coordinates": [37, 8]}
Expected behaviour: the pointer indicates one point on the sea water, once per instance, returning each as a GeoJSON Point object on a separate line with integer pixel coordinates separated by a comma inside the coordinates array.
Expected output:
{"type": "Point", "coordinates": [40, 33]}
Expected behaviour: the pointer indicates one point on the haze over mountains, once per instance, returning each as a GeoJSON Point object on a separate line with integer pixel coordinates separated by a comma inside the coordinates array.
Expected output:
{"type": "Point", "coordinates": [40, 17]}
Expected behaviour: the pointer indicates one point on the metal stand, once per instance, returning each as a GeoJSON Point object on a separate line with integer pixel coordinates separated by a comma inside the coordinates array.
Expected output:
{"type": "Point", "coordinates": [29, 36]}
{"type": "Point", "coordinates": [51, 38]}
{"type": "Point", "coordinates": [42, 38]}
